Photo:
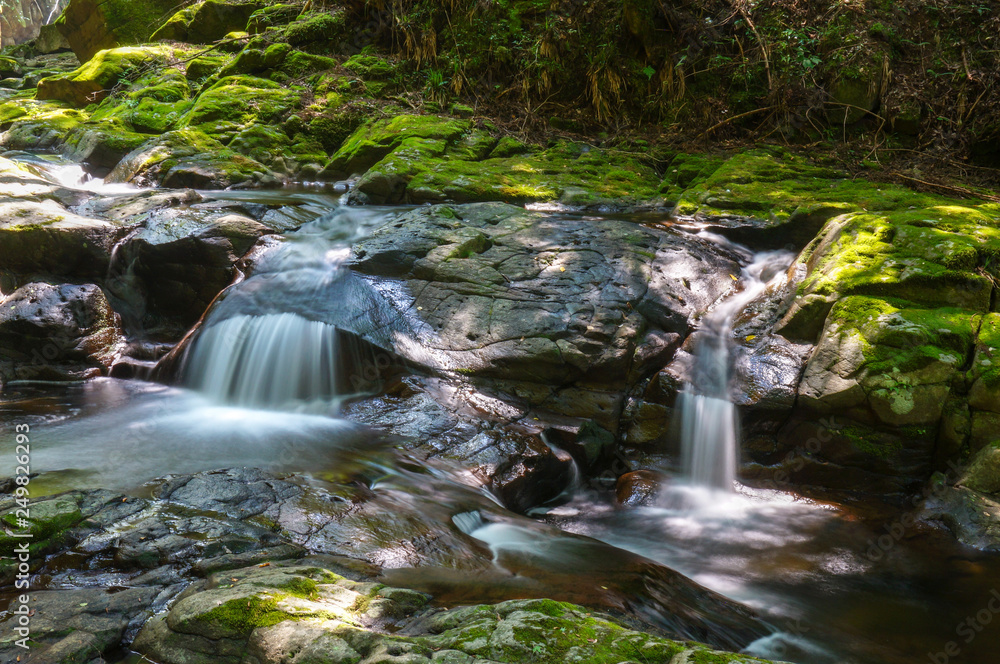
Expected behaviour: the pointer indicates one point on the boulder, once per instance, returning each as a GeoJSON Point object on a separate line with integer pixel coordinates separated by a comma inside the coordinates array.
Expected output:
{"type": "Point", "coordinates": [50, 40]}
{"type": "Point", "coordinates": [182, 258]}
{"type": "Point", "coordinates": [188, 158]}
{"type": "Point", "coordinates": [95, 79]}
{"type": "Point", "coordinates": [873, 394]}
{"type": "Point", "coordinates": [550, 309]}
{"type": "Point", "coordinates": [208, 21]}
{"type": "Point", "coordinates": [57, 332]}
{"type": "Point", "coordinates": [93, 25]}
{"type": "Point", "coordinates": [45, 237]}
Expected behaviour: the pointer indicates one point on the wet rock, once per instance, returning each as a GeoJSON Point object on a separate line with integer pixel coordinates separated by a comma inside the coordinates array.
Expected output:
{"type": "Point", "coordinates": [181, 259]}
{"type": "Point", "coordinates": [77, 625]}
{"type": "Point", "coordinates": [57, 332]}
{"type": "Point", "coordinates": [315, 612]}
{"type": "Point", "coordinates": [45, 237]}
{"type": "Point", "coordinates": [983, 472]}
{"type": "Point", "coordinates": [525, 301]}
{"type": "Point", "coordinates": [639, 487]}
{"type": "Point", "coordinates": [973, 517]}
{"type": "Point", "coordinates": [879, 378]}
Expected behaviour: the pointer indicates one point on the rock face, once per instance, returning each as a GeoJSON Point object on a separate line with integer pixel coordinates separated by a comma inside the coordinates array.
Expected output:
{"type": "Point", "coordinates": [897, 385]}
{"type": "Point", "coordinates": [553, 310]}
{"type": "Point", "coordinates": [57, 331]}
{"type": "Point", "coordinates": [22, 19]}
{"type": "Point", "coordinates": [91, 25]}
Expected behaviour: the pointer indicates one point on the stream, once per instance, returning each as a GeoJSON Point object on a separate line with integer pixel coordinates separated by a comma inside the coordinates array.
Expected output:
{"type": "Point", "coordinates": [268, 363]}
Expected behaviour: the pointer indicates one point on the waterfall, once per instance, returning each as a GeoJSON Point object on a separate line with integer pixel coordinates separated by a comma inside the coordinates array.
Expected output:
{"type": "Point", "coordinates": [268, 360]}
{"type": "Point", "coordinates": [286, 338]}
{"type": "Point", "coordinates": [709, 423]}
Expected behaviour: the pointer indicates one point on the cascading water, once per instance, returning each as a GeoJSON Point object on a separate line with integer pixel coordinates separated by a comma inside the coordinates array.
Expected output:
{"type": "Point", "coordinates": [709, 422]}
{"type": "Point", "coordinates": [274, 340]}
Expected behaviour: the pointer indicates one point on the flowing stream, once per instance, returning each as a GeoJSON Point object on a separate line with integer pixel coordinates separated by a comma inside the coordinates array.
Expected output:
{"type": "Point", "coordinates": [710, 430]}
{"type": "Point", "coordinates": [269, 364]}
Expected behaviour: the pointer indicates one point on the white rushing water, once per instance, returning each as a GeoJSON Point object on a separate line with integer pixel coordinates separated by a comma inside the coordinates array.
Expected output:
{"type": "Point", "coordinates": [709, 422]}
{"type": "Point", "coordinates": [270, 360]}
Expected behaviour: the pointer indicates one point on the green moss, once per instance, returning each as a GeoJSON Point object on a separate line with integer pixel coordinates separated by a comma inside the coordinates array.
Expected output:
{"type": "Point", "coordinates": [370, 67]}
{"type": "Point", "coordinates": [94, 80]}
{"type": "Point", "coordinates": [316, 28]}
{"type": "Point", "coordinates": [241, 100]}
{"type": "Point", "coordinates": [247, 614]}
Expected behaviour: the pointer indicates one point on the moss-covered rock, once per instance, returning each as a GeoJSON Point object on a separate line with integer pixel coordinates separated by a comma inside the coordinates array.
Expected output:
{"type": "Point", "coordinates": [941, 253]}
{"type": "Point", "coordinates": [417, 158]}
{"type": "Point", "coordinates": [781, 196]}
{"type": "Point", "coordinates": [190, 158]}
{"type": "Point", "coordinates": [94, 25]}
{"type": "Point", "coordinates": [326, 618]}
{"type": "Point", "coordinates": [236, 102]}
{"type": "Point", "coordinates": [208, 21]}
{"type": "Point", "coordinates": [95, 79]}
{"type": "Point", "coordinates": [37, 125]}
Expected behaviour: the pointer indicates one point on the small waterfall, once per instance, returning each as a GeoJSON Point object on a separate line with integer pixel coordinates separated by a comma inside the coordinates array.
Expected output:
{"type": "Point", "coordinates": [287, 338]}
{"type": "Point", "coordinates": [268, 360]}
{"type": "Point", "coordinates": [710, 430]}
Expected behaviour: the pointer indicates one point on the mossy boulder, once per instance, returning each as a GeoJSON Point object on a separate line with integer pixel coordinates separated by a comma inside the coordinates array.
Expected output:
{"type": "Point", "coordinates": [375, 140]}
{"type": "Point", "coordinates": [942, 253]}
{"type": "Point", "coordinates": [95, 79]}
{"type": "Point", "coordinates": [237, 101]}
{"type": "Point", "coordinates": [274, 15]}
{"type": "Point", "coordinates": [190, 158]}
{"type": "Point", "coordinates": [324, 617]}
{"type": "Point", "coordinates": [880, 391]}
{"type": "Point", "coordinates": [571, 174]}
{"type": "Point", "coordinates": [208, 21]}
{"type": "Point", "coordinates": [10, 68]}
{"type": "Point", "coordinates": [94, 25]}
{"type": "Point", "coordinates": [321, 31]}
{"type": "Point", "coordinates": [37, 125]}
{"type": "Point", "coordinates": [769, 196]}
{"type": "Point", "coordinates": [370, 67]}
{"type": "Point", "coordinates": [101, 143]}
{"type": "Point", "coordinates": [425, 158]}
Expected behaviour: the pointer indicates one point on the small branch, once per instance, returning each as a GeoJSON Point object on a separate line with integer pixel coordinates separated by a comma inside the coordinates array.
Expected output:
{"type": "Point", "coordinates": [947, 187]}
{"type": "Point", "coordinates": [734, 118]}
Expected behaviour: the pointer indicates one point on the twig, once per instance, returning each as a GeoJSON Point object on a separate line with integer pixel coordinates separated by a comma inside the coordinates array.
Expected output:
{"type": "Point", "coordinates": [735, 117]}
{"type": "Point", "coordinates": [947, 187]}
